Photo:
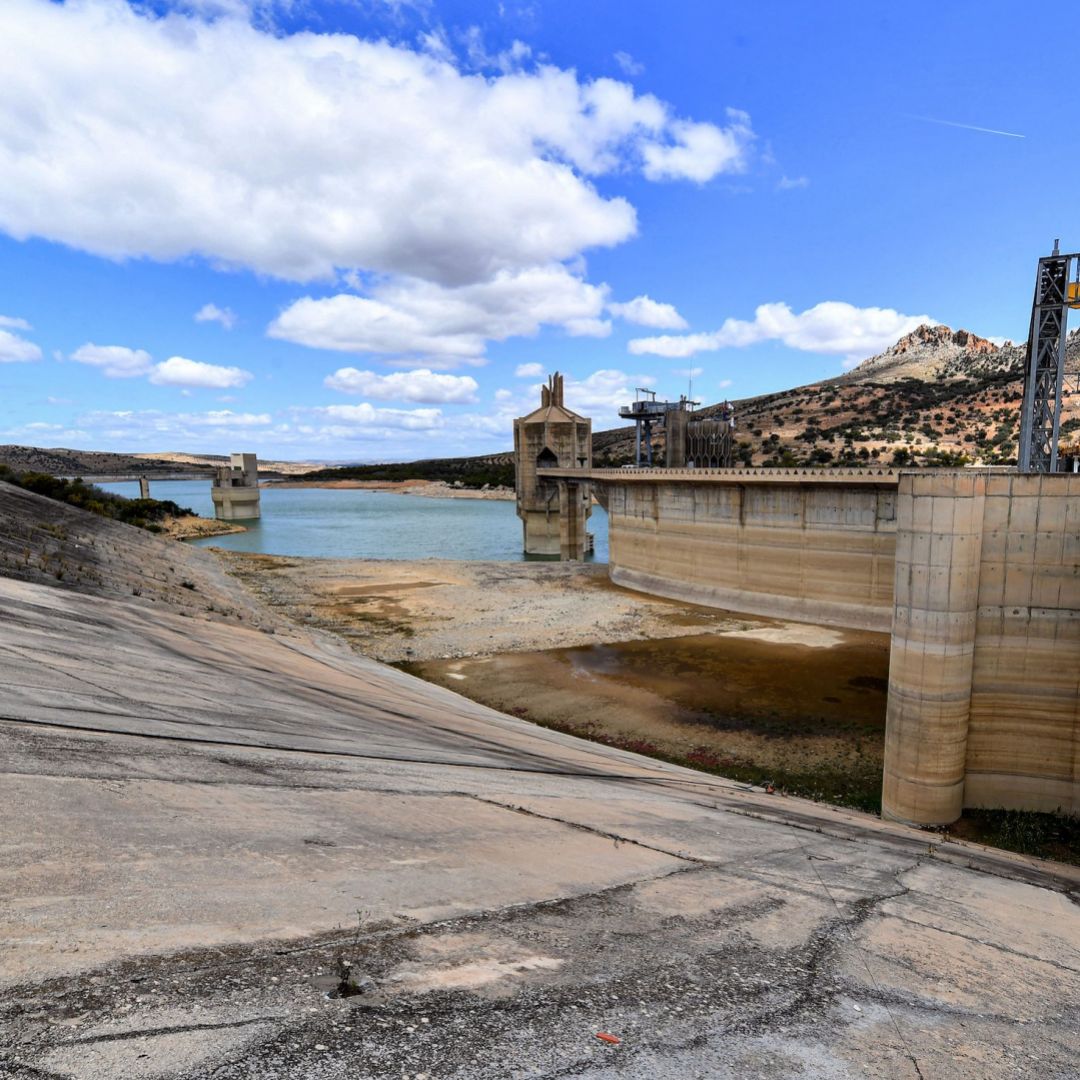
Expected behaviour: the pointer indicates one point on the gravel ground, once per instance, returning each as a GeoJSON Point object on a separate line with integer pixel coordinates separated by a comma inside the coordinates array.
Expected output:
{"type": "Point", "coordinates": [441, 608]}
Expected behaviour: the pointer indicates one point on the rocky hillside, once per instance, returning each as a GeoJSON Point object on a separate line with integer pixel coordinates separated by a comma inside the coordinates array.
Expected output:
{"type": "Point", "coordinates": [936, 397]}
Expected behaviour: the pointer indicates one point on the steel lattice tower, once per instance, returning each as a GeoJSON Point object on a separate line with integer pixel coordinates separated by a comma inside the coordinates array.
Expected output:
{"type": "Point", "coordinates": [1040, 420]}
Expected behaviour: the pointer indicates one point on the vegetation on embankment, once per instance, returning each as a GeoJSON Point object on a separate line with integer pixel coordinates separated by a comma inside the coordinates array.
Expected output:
{"type": "Point", "coordinates": [145, 513]}
{"type": "Point", "coordinates": [496, 470]}
{"type": "Point", "coordinates": [1046, 836]}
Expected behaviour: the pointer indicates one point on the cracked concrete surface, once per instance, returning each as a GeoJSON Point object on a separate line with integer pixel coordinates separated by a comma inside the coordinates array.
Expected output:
{"type": "Point", "coordinates": [201, 821]}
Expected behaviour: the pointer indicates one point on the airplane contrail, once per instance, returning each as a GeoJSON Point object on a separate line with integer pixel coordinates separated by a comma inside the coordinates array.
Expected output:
{"type": "Point", "coordinates": [966, 127]}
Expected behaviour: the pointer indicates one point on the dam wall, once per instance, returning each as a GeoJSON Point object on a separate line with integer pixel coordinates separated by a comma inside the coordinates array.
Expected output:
{"type": "Point", "coordinates": [974, 573]}
{"type": "Point", "coordinates": [984, 674]}
{"type": "Point", "coordinates": [799, 544]}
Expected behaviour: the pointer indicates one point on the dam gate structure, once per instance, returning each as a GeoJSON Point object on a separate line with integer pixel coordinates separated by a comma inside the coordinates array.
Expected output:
{"type": "Point", "coordinates": [553, 514]}
{"type": "Point", "coordinates": [235, 489]}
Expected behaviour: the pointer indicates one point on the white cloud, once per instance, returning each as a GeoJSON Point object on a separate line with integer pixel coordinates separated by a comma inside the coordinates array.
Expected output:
{"type": "Point", "coordinates": [212, 313]}
{"type": "Point", "coordinates": [9, 323]}
{"type": "Point", "coordinates": [829, 327]}
{"type": "Point", "coordinates": [147, 428]}
{"type": "Point", "coordinates": [422, 385]}
{"type": "Point", "coordinates": [603, 391]}
{"type": "Point", "coordinates": [179, 371]}
{"type": "Point", "coordinates": [628, 65]}
{"type": "Point", "coordinates": [700, 151]}
{"type": "Point", "coordinates": [369, 416]}
{"type": "Point", "coordinates": [298, 155]}
{"type": "Point", "coordinates": [511, 59]}
{"type": "Point", "coordinates": [788, 184]}
{"type": "Point", "coordinates": [120, 362]}
{"type": "Point", "coordinates": [529, 371]}
{"type": "Point", "coordinates": [645, 311]}
{"type": "Point", "coordinates": [15, 349]}
{"type": "Point", "coordinates": [420, 319]}
{"type": "Point", "coordinates": [723, 384]}
{"type": "Point", "coordinates": [228, 418]}
{"type": "Point", "coordinates": [114, 361]}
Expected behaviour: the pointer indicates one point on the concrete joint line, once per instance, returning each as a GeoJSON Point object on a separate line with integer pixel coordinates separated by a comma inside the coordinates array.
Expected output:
{"type": "Point", "coordinates": [595, 832]}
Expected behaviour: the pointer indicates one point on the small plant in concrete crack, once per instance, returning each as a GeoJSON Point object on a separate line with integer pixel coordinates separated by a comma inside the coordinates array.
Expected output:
{"type": "Point", "coordinates": [350, 983]}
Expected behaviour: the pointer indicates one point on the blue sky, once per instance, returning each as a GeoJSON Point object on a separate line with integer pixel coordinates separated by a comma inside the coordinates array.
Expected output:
{"type": "Point", "coordinates": [362, 230]}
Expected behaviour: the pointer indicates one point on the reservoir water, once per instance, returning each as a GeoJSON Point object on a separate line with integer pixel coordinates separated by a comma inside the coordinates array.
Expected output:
{"type": "Point", "coordinates": [351, 524]}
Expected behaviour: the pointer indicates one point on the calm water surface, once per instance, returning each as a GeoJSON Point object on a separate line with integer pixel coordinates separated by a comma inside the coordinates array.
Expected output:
{"type": "Point", "coordinates": [342, 524]}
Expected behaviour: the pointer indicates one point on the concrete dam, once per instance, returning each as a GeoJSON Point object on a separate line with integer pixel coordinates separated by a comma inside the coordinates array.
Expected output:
{"type": "Point", "coordinates": [975, 573]}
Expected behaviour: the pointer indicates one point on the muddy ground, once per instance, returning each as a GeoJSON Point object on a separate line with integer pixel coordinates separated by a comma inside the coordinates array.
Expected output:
{"type": "Point", "coordinates": [807, 718]}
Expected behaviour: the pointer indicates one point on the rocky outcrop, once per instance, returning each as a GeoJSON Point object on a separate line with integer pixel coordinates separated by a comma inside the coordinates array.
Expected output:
{"type": "Point", "coordinates": [935, 352]}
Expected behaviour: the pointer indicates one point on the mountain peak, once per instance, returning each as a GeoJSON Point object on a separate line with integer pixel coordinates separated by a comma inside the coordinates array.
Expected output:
{"type": "Point", "coordinates": [934, 353]}
{"type": "Point", "coordinates": [941, 335]}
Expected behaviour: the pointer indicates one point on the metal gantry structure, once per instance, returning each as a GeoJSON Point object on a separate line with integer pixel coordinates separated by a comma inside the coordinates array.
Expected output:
{"type": "Point", "coordinates": [645, 411]}
{"type": "Point", "coordinates": [1040, 419]}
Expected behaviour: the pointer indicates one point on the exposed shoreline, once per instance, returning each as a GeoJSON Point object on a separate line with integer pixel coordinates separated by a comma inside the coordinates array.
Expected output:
{"type": "Point", "coordinates": [435, 609]}
{"type": "Point", "coordinates": [193, 527]}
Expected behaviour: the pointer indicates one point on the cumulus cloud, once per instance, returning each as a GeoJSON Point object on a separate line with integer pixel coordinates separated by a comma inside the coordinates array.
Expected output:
{"type": "Point", "coordinates": [421, 385]}
{"type": "Point", "coordinates": [13, 348]}
{"type": "Point", "coordinates": [228, 418]}
{"type": "Point", "coordinates": [301, 155]}
{"type": "Point", "coordinates": [628, 65]}
{"type": "Point", "coordinates": [700, 151]}
{"type": "Point", "coordinates": [786, 183]}
{"type": "Point", "coordinates": [179, 371]}
{"type": "Point", "coordinates": [114, 361]}
{"type": "Point", "coordinates": [529, 371]}
{"type": "Point", "coordinates": [421, 319]}
{"type": "Point", "coordinates": [120, 362]}
{"type": "Point", "coordinates": [369, 416]}
{"type": "Point", "coordinates": [645, 311]}
{"type": "Point", "coordinates": [145, 429]}
{"type": "Point", "coordinates": [212, 313]}
{"type": "Point", "coordinates": [603, 391]}
{"type": "Point", "coordinates": [829, 327]}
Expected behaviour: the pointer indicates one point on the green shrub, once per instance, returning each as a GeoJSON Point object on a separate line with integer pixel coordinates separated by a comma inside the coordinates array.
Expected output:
{"type": "Point", "coordinates": [144, 513]}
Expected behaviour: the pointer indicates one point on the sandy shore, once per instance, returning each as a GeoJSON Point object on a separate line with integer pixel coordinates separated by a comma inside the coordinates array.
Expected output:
{"type": "Point", "coordinates": [432, 489]}
{"type": "Point", "coordinates": [191, 527]}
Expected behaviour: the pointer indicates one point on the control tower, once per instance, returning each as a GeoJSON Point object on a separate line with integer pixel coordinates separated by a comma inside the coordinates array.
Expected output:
{"type": "Point", "coordinates": [552, 437]}
{"type": "Point", "coordinates": [235, 489]}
